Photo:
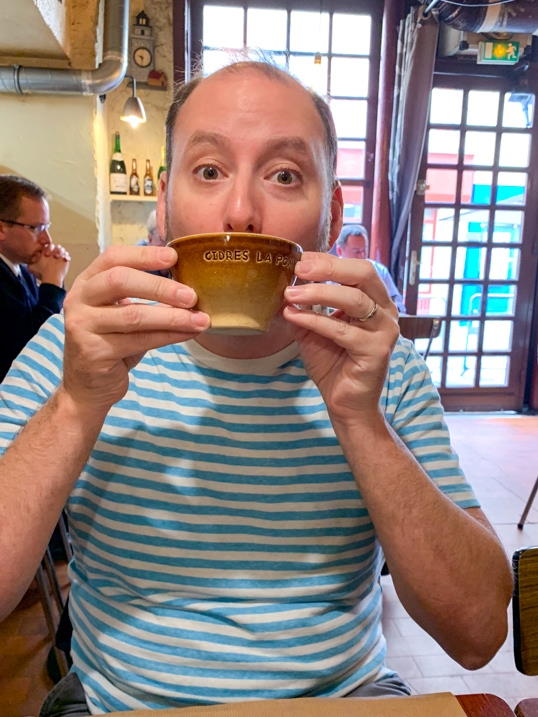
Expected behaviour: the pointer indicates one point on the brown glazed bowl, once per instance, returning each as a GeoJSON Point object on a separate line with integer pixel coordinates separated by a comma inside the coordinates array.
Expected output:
{"type": "Point", "coordinates": [239, 277]}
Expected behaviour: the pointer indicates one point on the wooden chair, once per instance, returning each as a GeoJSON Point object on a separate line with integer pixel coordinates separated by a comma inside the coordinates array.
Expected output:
{"type": "Point", "coordinates": [420, 327]}
{"type": "Point", "coordinates": [525, 610]}
{"type": "Point", "coordinates": [51, 597]}
{"type": "Point", "coordinates": [528, 505]}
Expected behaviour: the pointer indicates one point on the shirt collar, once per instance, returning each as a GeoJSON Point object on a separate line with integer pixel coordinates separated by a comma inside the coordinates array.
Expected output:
{"type": "Point", "coordinates": [15, 268]}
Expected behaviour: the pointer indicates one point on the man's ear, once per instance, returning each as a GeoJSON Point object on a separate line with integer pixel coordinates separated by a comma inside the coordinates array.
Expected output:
{"type": "Point", "coordinates": [337, 213]}
{"type": "Point", "coordinates": [160, 214]}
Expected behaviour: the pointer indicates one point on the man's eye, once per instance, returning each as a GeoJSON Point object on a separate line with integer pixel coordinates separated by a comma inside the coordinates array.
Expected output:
{"type": "Point", "coordinates": [286, 176]}
{"type": "Point", "coordinates": [208, 172]}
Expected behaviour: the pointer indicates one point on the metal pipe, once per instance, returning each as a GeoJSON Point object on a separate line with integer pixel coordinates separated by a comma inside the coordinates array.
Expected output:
{"type": "Point", "coordinates": [107, 76]}
{"type": "Point", "coordinates": [430, 6]}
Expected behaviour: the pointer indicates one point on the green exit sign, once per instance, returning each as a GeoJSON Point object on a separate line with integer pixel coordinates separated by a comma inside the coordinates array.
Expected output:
{"type": "Point", "coordinates": [498, 52]}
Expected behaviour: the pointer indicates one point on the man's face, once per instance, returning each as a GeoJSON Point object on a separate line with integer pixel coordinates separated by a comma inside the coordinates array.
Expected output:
{"type": "Point", "coordinates": [354, 248]}
{"type": "Point", "coordinates": [20, 244]}
{"type": "Point", "coordinates": [249, 156]}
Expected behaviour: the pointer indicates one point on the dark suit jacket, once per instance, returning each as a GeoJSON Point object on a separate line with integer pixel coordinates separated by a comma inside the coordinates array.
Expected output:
{"type": "Point", "coordinates": [23, 308]}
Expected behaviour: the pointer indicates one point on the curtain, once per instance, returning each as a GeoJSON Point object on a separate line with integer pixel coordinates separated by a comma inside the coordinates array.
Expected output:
{"type": "Point", "coordinates": [417, 44]}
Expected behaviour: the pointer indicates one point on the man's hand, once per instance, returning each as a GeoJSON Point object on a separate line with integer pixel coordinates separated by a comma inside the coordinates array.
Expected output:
{"type": "Point", "coordinates": [50, 264]}
{"type": "Point", "coordinates": [346, 357]}
{"type": "Point", "coordinates": [107, 332]}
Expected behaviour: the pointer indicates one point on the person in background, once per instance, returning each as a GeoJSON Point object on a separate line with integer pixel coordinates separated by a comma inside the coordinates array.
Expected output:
{"type": "Point", "coordinates": [32, 268]}
{"type": "Point", "coordinates": [231, 497]}
{"type": "Point", "coordinates": [153, 238]}
{"type": "Point", "coordinates": [352, 243]}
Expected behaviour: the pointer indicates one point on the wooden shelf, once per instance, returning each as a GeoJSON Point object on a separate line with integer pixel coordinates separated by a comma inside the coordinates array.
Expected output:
{"type": "Point", "coordinates": [131, 198]}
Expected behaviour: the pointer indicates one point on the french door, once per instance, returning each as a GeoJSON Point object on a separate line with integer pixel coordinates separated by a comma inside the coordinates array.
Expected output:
{"type": "Point", "coordinates": [472, 232]}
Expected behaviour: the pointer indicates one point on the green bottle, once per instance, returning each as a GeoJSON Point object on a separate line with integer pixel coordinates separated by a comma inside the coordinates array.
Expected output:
{"type": "Point", "coordinates": [119, 182]}
{"type": "Point", "coordinates": [162, 166]}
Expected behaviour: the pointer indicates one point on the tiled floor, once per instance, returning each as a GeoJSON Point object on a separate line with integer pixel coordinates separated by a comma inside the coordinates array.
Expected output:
{"type": "Point", "coordinates": [498, 454]}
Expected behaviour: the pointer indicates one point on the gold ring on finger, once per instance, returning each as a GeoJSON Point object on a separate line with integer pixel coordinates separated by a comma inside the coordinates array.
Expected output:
{"type": "Point", "coordinates": [369, 315]}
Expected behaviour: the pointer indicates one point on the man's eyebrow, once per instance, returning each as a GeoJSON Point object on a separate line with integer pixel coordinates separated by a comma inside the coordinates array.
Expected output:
{"type": "Point", "coordinates": [283, 144]}
{"type": "Point", "coordinates": [212, 138]}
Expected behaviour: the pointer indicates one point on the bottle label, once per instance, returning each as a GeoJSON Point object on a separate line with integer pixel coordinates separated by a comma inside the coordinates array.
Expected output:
{"type": "Point", "coordinates": [118, 183]}
{"type": "Point", "coordinates": [134, 187]}
{"type": "Point", "coordinates": [148, 186]}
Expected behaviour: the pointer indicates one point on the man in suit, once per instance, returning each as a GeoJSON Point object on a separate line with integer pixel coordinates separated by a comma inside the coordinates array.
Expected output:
{"type": "Point", "coordinates": [32, 268]}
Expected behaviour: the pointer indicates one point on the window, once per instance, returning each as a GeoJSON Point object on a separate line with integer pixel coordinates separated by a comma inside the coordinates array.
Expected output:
{"type": "Point", "coordinates": [331, 47]}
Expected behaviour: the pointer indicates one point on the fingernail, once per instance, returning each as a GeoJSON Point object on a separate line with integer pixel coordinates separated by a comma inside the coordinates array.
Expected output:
{"type": "Point", "coordinates": [293, 292]}
{"type": "Point", "coordinates": [185, 294]}
{"type": "Point", "coordinates": [304, 266]}
{"type": "Point", "coordinates": [200, 320]}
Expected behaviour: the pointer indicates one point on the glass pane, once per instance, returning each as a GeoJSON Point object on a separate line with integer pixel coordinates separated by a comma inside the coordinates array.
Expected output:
{"type": "Point", "coordinates": [476, 187]}
{"type": "Point", "coordinates": [505, 263]}
{"type": "Point", "coordinates": [497, 335]}
{"type": "Point", "coordinates": [511, 188]}
{"type": "Point", "coordinates": [508, 226]}
{"type": "Point", "coordinates": [438, 224]}
{"type": "Point", "coordinates": [267, 29]}
{"type": "Point", "coordinates": [515, 149]}
{"type": "Point", "coordinates": [463, 336]}
{"type": "Point", "coordinates": [435, 364]}
{"type": "Point", "coordinates": [518, 109]}
{"type": "Point", "coordinates": [350, 163]}
{"type": "Point", "coordinates": [501, 300]}
{"type": "Point", "coordinates": [353, 201]}
{"type": "Point", "coordinates": [470, 262]}
{"type": "Point", "coordinates": [435, 262]}
{"type": "Point", "coordinates": [460, 371]}
{"type": "Point", "coordinates": [473, 225]}
{"type": "Point", "coordinates": [350, 117]}
{"type": "Point", "coordinates": [443, 146]}
{"type": "Point", "coordinates": [223, 26]}
{"type": "Point", "coordinates": [445, 106]}
{"type": "Point", "coordinates": [494, 370]}
{"type": "Point", "coordinates": [309, 31]}
{"type": "Point", "coordinates": [479, 148]}
{"type": "Point", "coordinates": [214, 60]}
{"type": "Point", "coordinates": [351, 34]}
{"type": "Point", "coordinates": [466, 299]}
{"type": "Point", "coordinates": [432, 299]}
{"type": "Point", "coordinates": [482, 108]}
{"type": "Point", "coordinates": [310, 73]}
{"type": "Point", "coordinates": [349, 76]}
{"type": "Point", "coordinates": [441, 186]}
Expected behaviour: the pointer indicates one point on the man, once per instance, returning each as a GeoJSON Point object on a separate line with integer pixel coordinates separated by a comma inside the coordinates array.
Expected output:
{"type": "Point", "coordinates": [229, 495]}
{"type": "Point", "coordinates": [153, 238]}
{"type": "Point", "coordinates": [353, 244]}
{"type": "Point", "coordinates": [27, 256]}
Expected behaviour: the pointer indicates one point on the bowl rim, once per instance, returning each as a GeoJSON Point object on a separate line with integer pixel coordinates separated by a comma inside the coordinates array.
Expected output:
{"type": "Point", "coordinates": [233, 235]}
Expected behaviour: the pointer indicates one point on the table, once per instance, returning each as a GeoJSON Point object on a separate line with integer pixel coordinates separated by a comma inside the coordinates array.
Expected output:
{"type": "Point", "coordinates": [486, 705]}
{"type": "Point", "coordinates": [528, 707]}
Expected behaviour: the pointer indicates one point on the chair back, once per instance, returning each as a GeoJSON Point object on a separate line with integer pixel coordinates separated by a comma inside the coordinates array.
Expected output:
{"type": "Point", "coordinates": [525, 610]}
{"type": "Point", "coordinates": [420, 327]}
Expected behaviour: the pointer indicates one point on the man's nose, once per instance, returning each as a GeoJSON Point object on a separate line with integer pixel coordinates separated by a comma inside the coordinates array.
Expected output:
{"type": "Point", "coordinates": [44, 238]}
{"type": "Point", "coordinates": [242, 210]}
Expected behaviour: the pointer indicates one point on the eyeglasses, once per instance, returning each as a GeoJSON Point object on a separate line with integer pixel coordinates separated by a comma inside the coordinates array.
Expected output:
{"type": "Point", "coordinates": [34, 228]}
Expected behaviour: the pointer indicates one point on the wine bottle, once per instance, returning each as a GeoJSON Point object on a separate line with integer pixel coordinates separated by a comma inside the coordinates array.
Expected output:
{"type": "Point", "coordinates": [162, 166]}
{"type": "Point", "coordinates": [134, 181]}
{"type": "Point", "coordinates": [149, 184]}
{"type": "Point", "coordinates": [118, 171]}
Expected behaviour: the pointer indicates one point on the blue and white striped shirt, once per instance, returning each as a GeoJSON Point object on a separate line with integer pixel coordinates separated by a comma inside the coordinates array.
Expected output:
{"type": "Point", "coordinates": [222, 548]}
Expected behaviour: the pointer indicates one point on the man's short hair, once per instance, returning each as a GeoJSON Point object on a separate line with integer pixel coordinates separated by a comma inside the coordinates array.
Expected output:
{"type": "Point", "coordinates": [12, 190]}
{"type": "Point", "coordinates": [272, 71]}
{"type": "Point", "coordinates": [349, 230]}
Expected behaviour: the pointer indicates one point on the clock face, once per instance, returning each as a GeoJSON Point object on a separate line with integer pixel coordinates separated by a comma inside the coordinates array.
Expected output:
{"type": "Point", "coordinates": [142, 57]}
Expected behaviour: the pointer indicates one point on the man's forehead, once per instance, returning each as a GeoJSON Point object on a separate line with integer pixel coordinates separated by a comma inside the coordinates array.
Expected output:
{"type": "Point", "coordinates": [243, 95]}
